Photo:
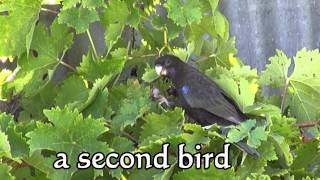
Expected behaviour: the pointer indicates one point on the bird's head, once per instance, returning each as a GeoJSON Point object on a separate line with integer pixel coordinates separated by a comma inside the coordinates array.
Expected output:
{"type": "Point", "coordinates": [168, 66]}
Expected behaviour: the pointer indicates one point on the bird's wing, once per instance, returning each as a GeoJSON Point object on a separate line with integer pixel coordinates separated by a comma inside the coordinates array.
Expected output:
{"type": "Point", "coordinates": [205, 94]}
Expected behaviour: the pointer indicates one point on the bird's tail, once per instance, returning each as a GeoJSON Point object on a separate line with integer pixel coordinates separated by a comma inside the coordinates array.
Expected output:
{"type": "Point", "coordinates": [242, 145]}
{"type": "Point", "coordinates": [251, 151]}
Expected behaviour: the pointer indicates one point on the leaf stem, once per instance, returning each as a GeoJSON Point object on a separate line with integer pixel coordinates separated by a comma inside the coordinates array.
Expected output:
{"type": "Point", "coordinates": [92, 44]}
{"type": "Point", "coordinates": [68, 66]}
{"type": "Point", "coordinates": [49, 10]}
{"type": "Point", "coordinates": [284, 95]}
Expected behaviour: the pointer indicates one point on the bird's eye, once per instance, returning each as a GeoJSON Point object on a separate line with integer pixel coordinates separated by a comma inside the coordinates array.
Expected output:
{"type": "Point", "coordinates": [167, 63]}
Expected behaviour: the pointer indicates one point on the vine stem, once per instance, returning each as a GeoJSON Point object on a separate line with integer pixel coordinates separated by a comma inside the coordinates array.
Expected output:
{"type": "Point", "coordinates": [284, 95]}
{"type": "Point", "coordinates": [308, 124]}
{"type": "Point", "coordinates": [92, 44]}
{"type": "Point", "coordinates": [49, 10]}
{"type": "Point", "coordinates": [126, 135]}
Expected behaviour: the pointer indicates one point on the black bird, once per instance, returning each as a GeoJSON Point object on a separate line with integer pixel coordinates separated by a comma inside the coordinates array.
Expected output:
{"type": "Point", "coordinates": [203, 100]}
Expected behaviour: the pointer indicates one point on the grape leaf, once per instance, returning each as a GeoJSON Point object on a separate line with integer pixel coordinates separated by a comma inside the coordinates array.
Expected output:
{"type": "Point", "coordinates": [4, 146]}
{"type": "Point", "coordinates": [241, 90]}
{"type": "Point", "coordinates": [308, 157]}
{"type": "Point", "coordinates": [303, 83]}
{"type": "Point", "coordinates": [84, 3]}
{"type": "Point", "coordinates": [285, 127]}
{"type": "Point", "coordinates": [72, 92]}
{"type": "Point", "coordinates": [135, 104]}
{"type": "Point", "coordinates": [251, 167]}
{"type": "Point", "coordinates": [194, 134]}
{"type": "Point", "coordinates": [267, 151]}
{"type": "Point", "coordinates": [160, 22]}
{"type": "Point", "coordinates": [304, 86]}
{"type": "Point", "coordinates": [282, 149]}
{"type": "Point", "coordinates": [69, 133]}
{"type": "Point", "coordinates": [16, 27]}
{"type": "Point", "coordinates": [115, 18]}
{"type": "Point", "coordinates": [211, 173]}
{"type": "Point", "coordinates": [78, 18]}
{"type": "Point", "coordinates": [256, 136]}
{"type": "Point", "coordinates": [276, 73]}
{"type": "Point", "coordinates": [31, 76]}
{"type": "Point", "coordinates": [162, 125]}
{"type": "Point", "coordinates": [220, 24]}
{"type": "Point", "coordinates": [93, 69]}
{"type": "Point", "coordinates": [17, 142]}
{"type": "Point", "coordinates": [150, 75]}
{"type": "Point", "coordinates": [120, 145]}
{"type": "Point", "coordinates": [98, 108]}
{"type": "Point", "coordinates": [179, 11]}
{"type": "Point", "coordinates": [5, 172]}
{"type": "Point", "coordinates": [246, 129]}
{"type": "Point", "coordinates": [241, 131]}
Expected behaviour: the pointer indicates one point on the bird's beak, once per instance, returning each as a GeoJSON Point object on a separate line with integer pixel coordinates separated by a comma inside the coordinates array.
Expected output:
{"type": "Point", "coordinates": [160, 70]}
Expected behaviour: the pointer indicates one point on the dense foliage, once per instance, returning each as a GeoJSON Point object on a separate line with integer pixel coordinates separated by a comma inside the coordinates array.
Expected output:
{"type": "Point", "coordinates": [100, 107]}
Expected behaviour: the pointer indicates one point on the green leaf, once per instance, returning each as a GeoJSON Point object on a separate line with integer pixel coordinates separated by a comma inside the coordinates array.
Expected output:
{"type": "Point", "coordinates": [162, 125]}
{"type": "Point", "coordinates": [115, 18]}
{"type": "Point", "coordinates": [48, 46]}
{"type": "Point", "coordinates": [120, 145]}
{"type": "Point", "coordinates": [285, 127]}
{"type": "Point", "coordinates": [251, 167]}
{"type": "Point", "coordinates": [93, 69]}
{"type": "Point", "coordinates": [214, 4]}
{"type": "Point", "coordinates": [211, 173]}
{"type": "Point", "coordinates": [276, 73]}
{"type": "Point", "coordinates": [166, 174]}
{"type": "Point", "coordinates": [84, 3]}
{"type": "Point", "coordinates": [98, 108]}
{"type": "Point", "coordinates": [240, 89]}
{"type": "Point", "coordinates": [267, 151]}
{"type": "Point", "coordinates": [17, 28]}
{"type": "Point", "coordinates": [308, 157]}
{"type": "Point", "coordinates": [220, 24]}
{"type": "Point", "coordinates": [69, 133]}
{"type": "Point", "coordinates": [72, 92]}
{"type": "Point", "coordinates": [241, 131]}
{"type": "Point", "coordinates": [17, 146]}
{"type": "Point", "coordinates": [304, 86]}
{"type": "Point", "coordinates": [150, 75]}
{"type": "Point", "coordinates": [135, 104]}
{"type": "Point", "coordinates": [5, 172]}
{"type": "Point", "coordinates": [256, 136]}
{"type": "Point", "coordinates": [218, 53]}
{"type": "Point", "coordinates": [78, 18]}
{"type": "Point", "coordinates": [5, 150]}
{"type": "Point", "coordinates": [282, 149]}
{"type": "Point", "coordinates": [179, 11]}
{"type": "Point", "coordinates": [194, 134]}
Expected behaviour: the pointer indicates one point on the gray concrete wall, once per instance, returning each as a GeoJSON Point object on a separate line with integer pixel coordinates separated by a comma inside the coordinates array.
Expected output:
{"type": "Point", "coordinates": [261, 26]}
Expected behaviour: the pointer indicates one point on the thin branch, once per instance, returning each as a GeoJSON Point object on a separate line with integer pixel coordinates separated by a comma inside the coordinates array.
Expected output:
{"type": "Point", "coordinates": [142, 56]}
{"type": "Point", "coordinates": [92, 44]}
{"type": "Point", "coordinates": [308, 124]}
{"type": "Point", "coordinates": [284, 94]}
